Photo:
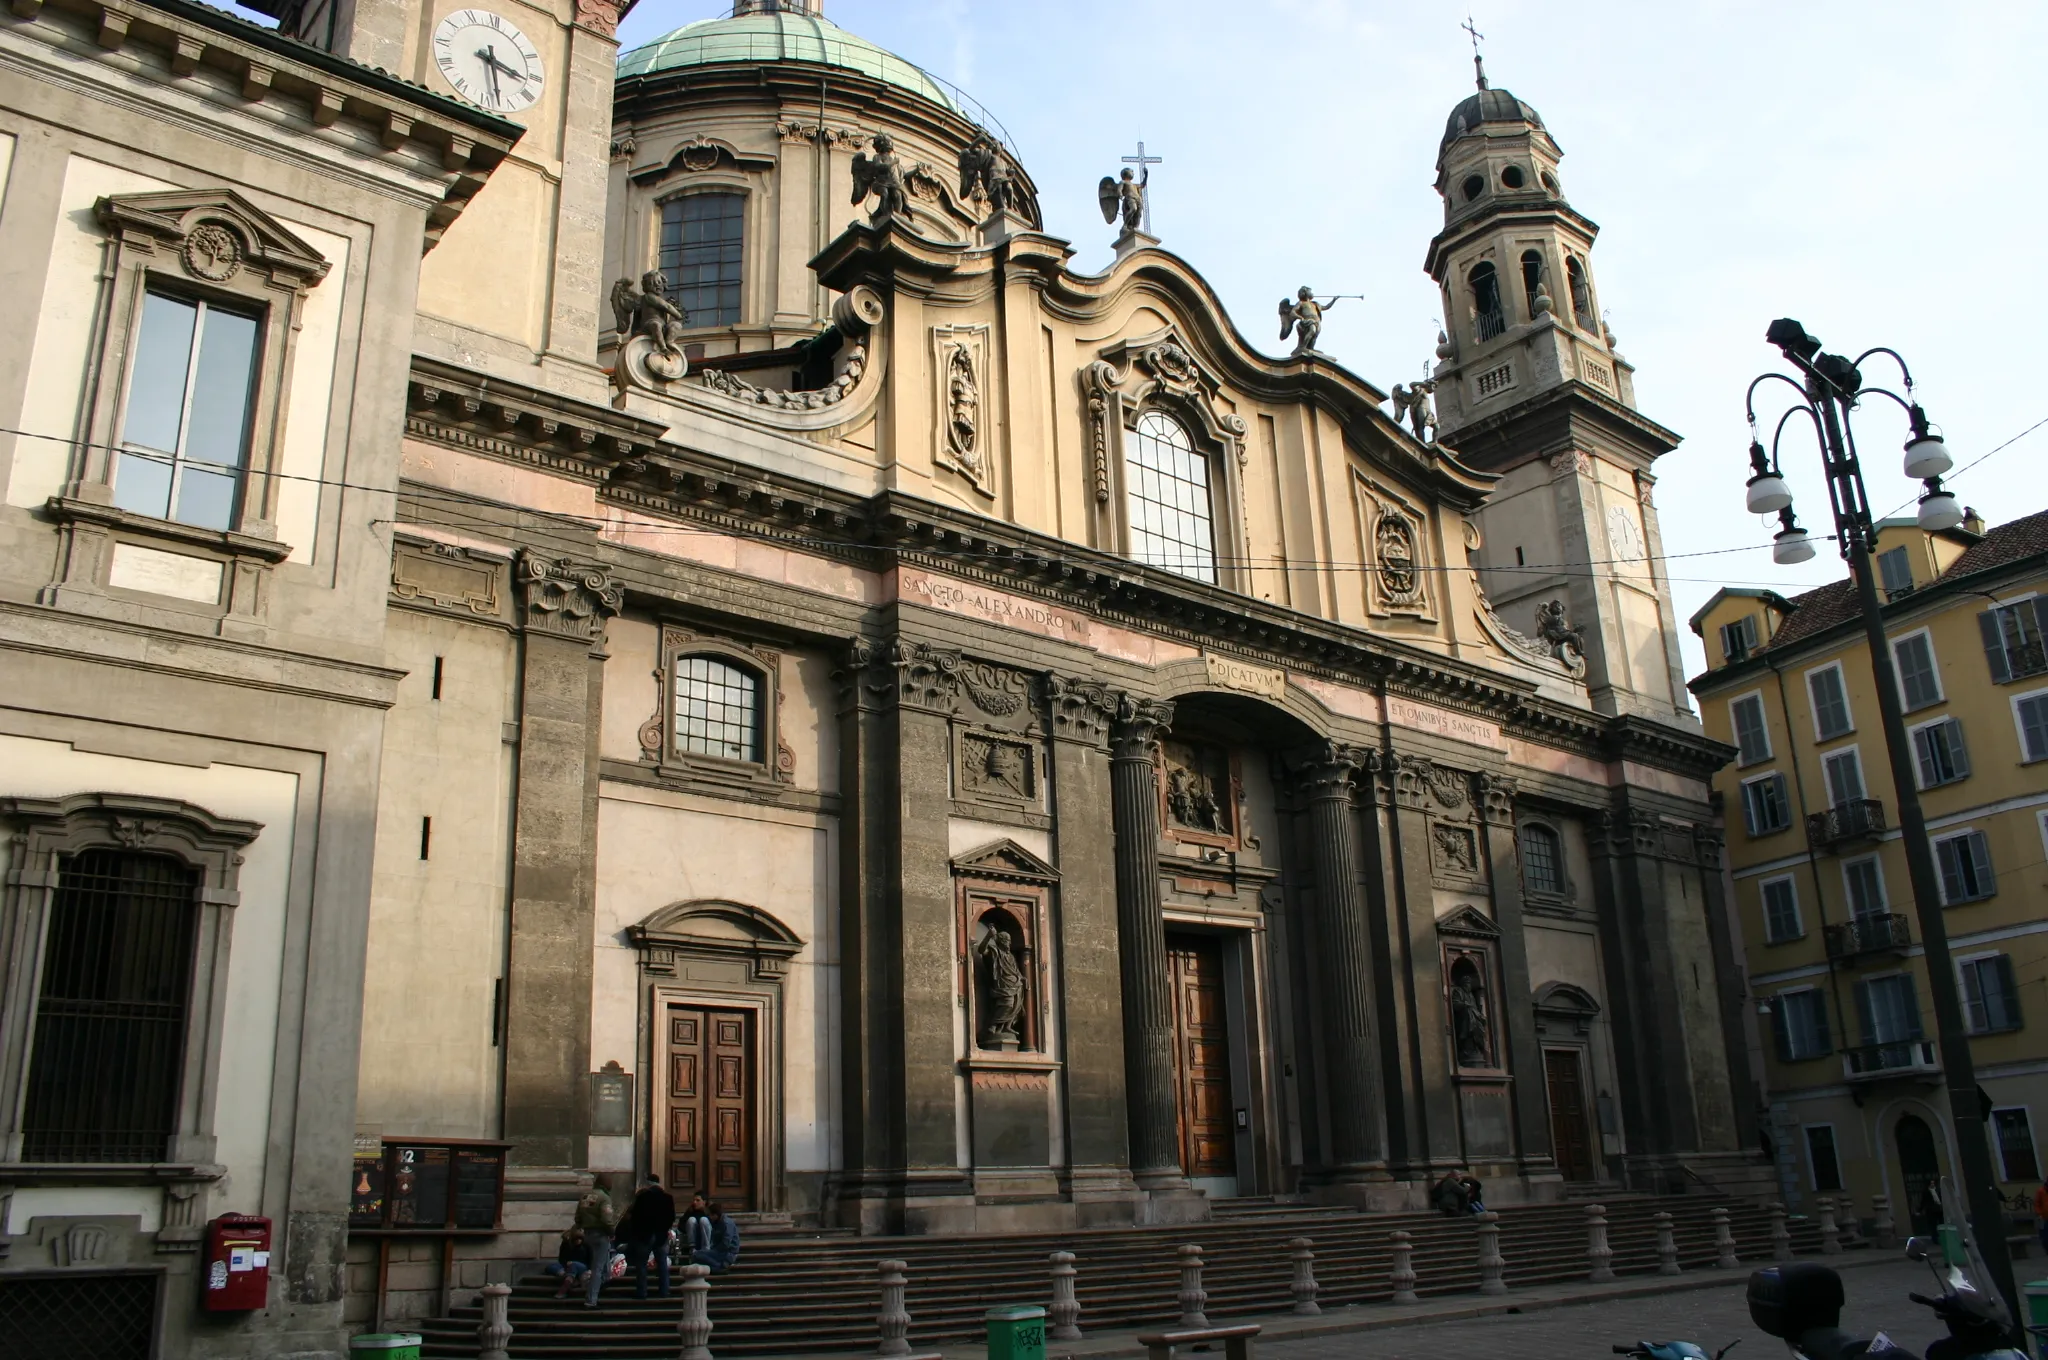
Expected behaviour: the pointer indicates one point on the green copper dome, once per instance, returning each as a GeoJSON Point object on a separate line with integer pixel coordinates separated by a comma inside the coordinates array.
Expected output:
{"type": "Point", "coordinates": [775, 38]}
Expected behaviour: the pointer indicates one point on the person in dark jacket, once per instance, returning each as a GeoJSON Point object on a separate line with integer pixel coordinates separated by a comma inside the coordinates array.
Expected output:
{"type": "Point", "coordinates": [725, 1243]}
{"type": "Point", "coordinates": [644, 1232]}
{"type": "Point", "coordinates": [572, 1260]}
{"type": "Point", "coordinates": [696, 1227]}
{"type": "Point", "coordinates": [1448, 1195]}
{"type": "Point", "coordinates": [1474, 1201]}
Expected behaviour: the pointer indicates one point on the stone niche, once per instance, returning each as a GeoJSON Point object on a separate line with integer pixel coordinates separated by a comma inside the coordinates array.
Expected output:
{"type": "Point", "coordinates": [1002, 913]}
{"type": "Point", "coordinates": [1470, 944]}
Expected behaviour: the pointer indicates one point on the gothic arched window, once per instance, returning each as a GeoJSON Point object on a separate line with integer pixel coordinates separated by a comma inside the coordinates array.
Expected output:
{"type": "Point", "coordinates": [717, 709]}
{"type": "Point", "coordinates": [1532, 278]}
{"type": "Point", "coordinates": [1488, 314]}
{"type": "Point", "coordinates": [1542, 860]}
{"type": "Point", "coordinates": [1172, 513]}
{"type": "Point", "coordinates": [1582, 293]}
{"type": "Point", "coordinates": [702, 239]}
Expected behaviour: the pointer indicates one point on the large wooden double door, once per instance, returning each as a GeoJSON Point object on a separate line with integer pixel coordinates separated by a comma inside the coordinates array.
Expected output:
{"type": "Point", "coordinates": [710, 1104]}
{"type": "Point", "coordinates": [1570, 1132]}
{"type": "Point", "coordinates": [1201, 1055]}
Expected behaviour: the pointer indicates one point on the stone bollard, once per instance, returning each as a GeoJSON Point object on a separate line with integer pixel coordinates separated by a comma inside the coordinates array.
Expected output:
{"type": "Point", "coordinates": [1882, 1226]}
{"type": "Point", "coordinates": [1830, 1235]}
{"type": "Point", "coordinates": [494, 1333]}
{"type": "Point", "coordinates": [894, 1319]}
{"type": "Point", "coordinates": [1066, 1307]}
{"type": "Point", "coordinates": [1192, 1295]}
{"type": "Point", "coordinates": [1781, 1236]}
{"type": "Point", "coordinates": [695, 1326]}
{"type": "Point", "coordinates": [1667, 1245]}
{"type": "Point", "coordinates": [1305, 1287]}
{"type": "Point", "coordinates": [1491, 1263]}
{"type": "Point", "coordinates": [1724, 1242]}
{"type": "Point", "coordinates": [1402, 1275]}
{"type": "Point", "coordinates": [1597, 1250]}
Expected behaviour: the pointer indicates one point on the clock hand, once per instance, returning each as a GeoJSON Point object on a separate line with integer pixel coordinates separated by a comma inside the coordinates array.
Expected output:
{"type": "Point", "coordinates": [490, 70]}
{"type": "Point", "coordinates": [490, 56]}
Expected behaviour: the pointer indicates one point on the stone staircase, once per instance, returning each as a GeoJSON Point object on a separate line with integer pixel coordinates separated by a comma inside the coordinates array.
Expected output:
{"type": "Point", "coordinates": [791, 1294]}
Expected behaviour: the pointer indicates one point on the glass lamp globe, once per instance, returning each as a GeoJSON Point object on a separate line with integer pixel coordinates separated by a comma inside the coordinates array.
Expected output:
{"type": "Point", "coordinates": [1927, 456]}
{"type": "Point", "coordinates": [1938, 511]}
{"type": "Point", "coordinates": [1791, 547]}
{"type": "Point", "coordinates": [1767, 494]}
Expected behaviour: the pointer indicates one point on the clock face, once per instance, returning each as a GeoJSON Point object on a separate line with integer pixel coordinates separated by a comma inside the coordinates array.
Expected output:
{"type": "Point", "coordinates": [1625, 540]}
{"type": "Point", "coordinates": [488, 60]}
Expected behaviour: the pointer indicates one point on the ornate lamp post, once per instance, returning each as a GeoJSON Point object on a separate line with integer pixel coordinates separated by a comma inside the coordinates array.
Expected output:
{"type": "Point", "coordinates": [1830, 389]}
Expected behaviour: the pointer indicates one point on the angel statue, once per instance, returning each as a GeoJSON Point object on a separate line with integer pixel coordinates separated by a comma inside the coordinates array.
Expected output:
{"type": "Point", "coordinates": [982, 172]}
{"type": "Point", "coordinates": [1555, 628]}
{"type": "Point", "coordinates": [1303, 316]}
{"type": "Point", "coordinates": [644, 309]}
{"type": "Point", "coordinates": [1417, 405]}
{"type": "Point", "coordinates": [1124, 194]}
{"type": "Point", "coordinates": [881, 176]}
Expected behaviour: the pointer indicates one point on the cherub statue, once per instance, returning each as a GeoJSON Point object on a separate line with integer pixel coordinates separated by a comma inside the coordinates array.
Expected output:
{"type": "Point", "coordinates": [982, 172]}
{"type": "Point", "coordinates": [881, 176]}
{"type": "Point", "coordinates": [1124, 194]}
{"type": "Point", "coordinates": [1417, 404]}
{"type": "Point", "coordinates": [1303, 316]}
{"type": "Point", "coordinates": [644, 309]}
{"type": "Point", "coordinates": [1555, 628]}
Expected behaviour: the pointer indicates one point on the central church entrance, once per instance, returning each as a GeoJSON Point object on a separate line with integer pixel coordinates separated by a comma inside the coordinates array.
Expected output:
{"type": "Point", "coordinates": [709, 1128]}
{"type": "Point", "coordinates": [1201, 1056]}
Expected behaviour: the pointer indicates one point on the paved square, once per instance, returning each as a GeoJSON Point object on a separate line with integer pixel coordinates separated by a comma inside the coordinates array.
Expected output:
{"type": "Point", "coordinates": [1711, 1317]}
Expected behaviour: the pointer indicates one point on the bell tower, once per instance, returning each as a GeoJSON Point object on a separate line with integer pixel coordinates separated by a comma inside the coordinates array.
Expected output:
{"type": "Point", "coordinates": [1531, 387]}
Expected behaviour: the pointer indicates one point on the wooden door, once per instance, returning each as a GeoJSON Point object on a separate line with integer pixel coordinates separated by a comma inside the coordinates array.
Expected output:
{"type": "Point", "coordinates": [1570, 1136]}
{"type": "Point", "coordinates": [1201, 1056]}
{"type": "Point", "coordinates": [710, 1106]}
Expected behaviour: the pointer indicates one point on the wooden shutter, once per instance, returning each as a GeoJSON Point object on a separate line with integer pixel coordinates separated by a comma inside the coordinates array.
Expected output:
{"type": "Point", "coordinates": [1993, 631]}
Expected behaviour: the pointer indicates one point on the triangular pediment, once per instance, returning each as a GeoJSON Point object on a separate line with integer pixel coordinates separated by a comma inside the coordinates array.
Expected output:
{"type": "Point", "coordinates": [175, 214]}
{"type": "Point", "coordinates": [1469, 921]}
{"type": "Point", "coordinates": [1005, 859]}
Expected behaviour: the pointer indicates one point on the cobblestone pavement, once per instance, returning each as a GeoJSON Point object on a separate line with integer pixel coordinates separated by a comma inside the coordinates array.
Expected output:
{"type": "Point", "coordinates": [1711, 1317]}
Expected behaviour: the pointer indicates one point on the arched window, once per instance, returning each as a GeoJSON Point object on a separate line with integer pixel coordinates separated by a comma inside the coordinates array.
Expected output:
{"type": "Point", "coordinates": [701, 240]}
{"type": "Point", "coordinates": [717, 709]}
{"type": "Point", "coordinates": [1486, 305]}
{"type": "Point", "coordinates": [1582, 294]}
{"type": "Point", "coordinates": [1542, 860]}
{"type": "Point", "coordinates": [1532, 278]}
{"type": "Point", "coordinates": [1172, 517]}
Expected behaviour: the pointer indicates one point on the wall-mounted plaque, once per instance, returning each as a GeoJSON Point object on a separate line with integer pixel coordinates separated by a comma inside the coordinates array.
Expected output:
{"type": "Point", "coordinates": [611, 1102]}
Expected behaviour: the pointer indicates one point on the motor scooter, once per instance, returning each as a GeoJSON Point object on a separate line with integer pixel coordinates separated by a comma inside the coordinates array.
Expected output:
{"type": "Point", "coordinates": [1672, 1350]}
{"type": "Point", "coordinates": [1800, 1303]}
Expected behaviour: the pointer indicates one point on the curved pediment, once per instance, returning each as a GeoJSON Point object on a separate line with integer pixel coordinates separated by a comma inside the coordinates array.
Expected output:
{"type": "Point", "coordinates": [1563, 998]}
{"type": "Point", "coordinates": [716, 925]}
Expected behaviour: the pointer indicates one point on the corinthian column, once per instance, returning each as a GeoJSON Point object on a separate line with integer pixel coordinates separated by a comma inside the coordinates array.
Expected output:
{"type": "Point", "coordinates": [1345, 962]}
{"type": "Point", "coordinates": [1141, 943]}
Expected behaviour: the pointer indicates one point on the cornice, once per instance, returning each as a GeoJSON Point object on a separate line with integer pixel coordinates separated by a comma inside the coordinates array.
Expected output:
{"type": "Point", "coordinates": [1562, 406]}
{"type": "Point", "coordinates": [1503, 213]}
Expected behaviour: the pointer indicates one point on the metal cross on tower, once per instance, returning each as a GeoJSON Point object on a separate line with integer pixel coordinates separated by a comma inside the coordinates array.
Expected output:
{"type": "Point", "coordinates": [1145, 164]}
{"type": "Point", "coordinates": [1478, 62]}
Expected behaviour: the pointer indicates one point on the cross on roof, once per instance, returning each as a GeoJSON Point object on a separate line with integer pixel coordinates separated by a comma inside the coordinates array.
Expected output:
{"type": "Point", "coordinates": [1478, 62]}
{"type": "Point", "coordinates": [1145, 164]}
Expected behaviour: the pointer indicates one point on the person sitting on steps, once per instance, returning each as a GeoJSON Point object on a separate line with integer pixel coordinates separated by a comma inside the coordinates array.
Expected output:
{"type": "Point", "coordinates": [696, 1226]}
{"type": "Point", "coordinates": [1448, 1195]}
{"type": "Point", "coordinates": [572, 1260]}
{"type": "Point", "coordinates": [724, 1248]}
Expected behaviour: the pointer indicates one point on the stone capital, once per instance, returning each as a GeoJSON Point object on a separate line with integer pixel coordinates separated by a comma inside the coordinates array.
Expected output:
{"type": "Point", "coordinates": [567, 598]}
{"type": "Point", "coordinates": [1329, 770]}
{"type": "Point", "coordinates": [1496, 798]}
{"type": "Point", "coordinates": [1081, 709]}
{"type": "Point", "coordinates": [1137, 725]}
{"type": "Point", "coordinates": [1412, 776]}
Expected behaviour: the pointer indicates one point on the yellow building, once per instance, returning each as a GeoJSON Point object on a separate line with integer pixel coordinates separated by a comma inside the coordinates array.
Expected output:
{"type": "Point", "coordinates": [1836, 971]}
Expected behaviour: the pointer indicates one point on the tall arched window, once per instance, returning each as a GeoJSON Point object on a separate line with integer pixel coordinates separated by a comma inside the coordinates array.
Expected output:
{"type": "Point", "coordinates": [718, 709]}
{"type": "Point", "coordinates": [1532, 279]}
{"type": "Point", "coordinates": [1489, 316]}
{"type": "Point", "coordinates": [1172, 516]}
{"type": "Point", "coordinates": [702, 236]}
{"type": "Point", "coordinates": [1542, 860]}
{"type": "Point", "coordinates": [1582, 294]}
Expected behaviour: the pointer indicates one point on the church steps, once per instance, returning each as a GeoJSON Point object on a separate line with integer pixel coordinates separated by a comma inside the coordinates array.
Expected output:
{"type": "Point", "coordinates": [792, 1295]}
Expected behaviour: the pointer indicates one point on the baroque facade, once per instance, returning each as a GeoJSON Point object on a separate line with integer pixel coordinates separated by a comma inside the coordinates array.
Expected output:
{"type": "Point", "coordinates": [865, 719]}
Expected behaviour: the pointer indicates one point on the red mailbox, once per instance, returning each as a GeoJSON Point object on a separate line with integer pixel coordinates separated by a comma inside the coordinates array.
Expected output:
{"type": "Point", "coordinates": [237, 1264]}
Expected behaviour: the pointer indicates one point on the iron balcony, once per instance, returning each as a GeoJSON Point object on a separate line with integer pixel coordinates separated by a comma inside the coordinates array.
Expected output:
{"type": "Point", "coordinates": [1880, 1062]}
{"type": "Point", "coordinates": [1859, 819]}
{"type": "Point", "coordinates": [1883, 933]}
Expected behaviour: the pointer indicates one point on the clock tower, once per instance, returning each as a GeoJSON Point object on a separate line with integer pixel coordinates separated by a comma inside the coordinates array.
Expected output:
{"type": "Point", "coordinates": [513, 287]}
{"type": "Point", "coordinates": [1531, 387]}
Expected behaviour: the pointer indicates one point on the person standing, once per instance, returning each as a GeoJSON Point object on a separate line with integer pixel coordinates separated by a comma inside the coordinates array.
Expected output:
{"type": "Point", "coordinates": [651, 1215]}
{"type": "Point", "coordinates": [596, 1217]}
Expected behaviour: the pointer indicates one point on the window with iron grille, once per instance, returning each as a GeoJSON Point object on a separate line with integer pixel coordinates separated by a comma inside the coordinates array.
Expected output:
{"type": "Point", "coordinates": [703, 239]}
{"type": "Point", "coordinates": [1172, 516]}
{"type": "Point", "coordinates": [1991, 998]}
{"type": "Point", "coordinates": [1939, 754]}
{"type": "Point", "coordinates": [1764, 806]}
{"type": "Point", "coordinates": [2016, 1146]}
{"type": "Point", "coordinates": [1919, 677]}
{"type": "Point", "coordinates": [1488, 314]}
{"type": "Point", "coordinates": [1542, 862]}
{"type": "Point", "coordinates": [1965, 862]}
{"type": "Point", "coordinates": [1738, 639]}
{"type": "Point", "coordinates": [2013, 639]}
{"type": "Point", "coordinates": [110, 1014]}
{"type": "Point", "coordinates": [1830, 703]}
{"type": "Point", "coordinates": [1781, 911]}
{"type": "Point", "coordinates": [100, 1316]}
{"type": "Point", "coordinates": [1799, 1020]}
{"type": "Point", "coordinates": [717, 709]}
{"type": "Point", "coordinates": [1752, 733]}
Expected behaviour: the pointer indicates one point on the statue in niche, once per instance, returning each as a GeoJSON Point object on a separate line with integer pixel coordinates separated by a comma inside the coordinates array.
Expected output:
{"type": "Point", "coordinates": [1470, 1031]}
{"type": "Point", "coordinates": [1004, 978]}
{"type": "Point", "coordinates": [1124, 195]}
{"type": "Point", "coordinates": [1198, 788]}
{"type": "Point", "coordinates": [881, 176]}
{"type": "Point", "coordinates": [963, 400]}
{"type": "Point", "coordinates": [1555, 628]}
{"type": "Point", "coordinates": [1394, 539]}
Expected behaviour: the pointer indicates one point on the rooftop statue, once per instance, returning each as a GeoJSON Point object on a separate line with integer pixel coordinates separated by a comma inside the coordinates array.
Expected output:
{"type": "Point", "coordinates": [1124, 195]}
{"type": "Point", "coordinates": [642, 312]}
{"type": "Point", "coordinates": [984, 173]}
{"type": "Point", "coordinates": [1416, 404]}
{"type": "Point", "coordinates": [1303, 316]}
{"type": "Point", "coordinates": [881, 176]}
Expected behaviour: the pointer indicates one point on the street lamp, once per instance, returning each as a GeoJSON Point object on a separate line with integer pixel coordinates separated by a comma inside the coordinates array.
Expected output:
{"type": "Point", "coordinates": [1831, 387]}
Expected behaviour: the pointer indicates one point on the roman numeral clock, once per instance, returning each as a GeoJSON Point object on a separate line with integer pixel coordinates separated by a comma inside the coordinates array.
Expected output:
{"type": "Point", "coordinates": [488, 60]}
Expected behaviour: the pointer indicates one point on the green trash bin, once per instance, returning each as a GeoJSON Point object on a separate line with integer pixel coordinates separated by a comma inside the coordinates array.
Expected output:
{"type": "Point", "coordinates": [1016, 1332]}
{"type": "Point", "coordinates": [2036, 1294]}
{"type": "Point", "coordinates": [385, 1346]}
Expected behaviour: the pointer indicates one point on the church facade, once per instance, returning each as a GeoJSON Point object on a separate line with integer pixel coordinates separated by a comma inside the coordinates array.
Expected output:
{"type": "Point", "coordinates": [899, 733]}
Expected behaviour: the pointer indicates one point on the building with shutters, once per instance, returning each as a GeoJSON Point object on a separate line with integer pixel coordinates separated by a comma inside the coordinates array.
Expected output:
{"type": "Point", "coordinates": [1820, 884]}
